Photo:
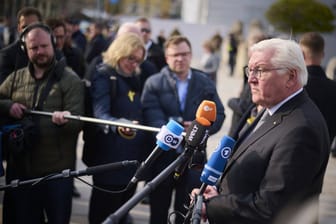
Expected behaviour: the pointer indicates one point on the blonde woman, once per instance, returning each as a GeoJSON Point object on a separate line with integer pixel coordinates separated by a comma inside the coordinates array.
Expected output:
{"type": "Point", "coordinates": [115, 96]}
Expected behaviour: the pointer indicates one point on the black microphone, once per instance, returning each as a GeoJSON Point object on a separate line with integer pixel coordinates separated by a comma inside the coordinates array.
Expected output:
{"type": "Point", "coordinates": [76, 173]}
{"type": "Point", "coordinates": [170, 136]}
{"type": "Point", "coordinates": [196, 136]}
{"type": "Point", "coordinates": [210, 175]}
{"type": "Point", "coordinates": [103, 168]}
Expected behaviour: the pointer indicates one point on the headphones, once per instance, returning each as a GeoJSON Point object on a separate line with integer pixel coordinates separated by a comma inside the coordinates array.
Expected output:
{"type": "Point", "coordinates": [29, 28]}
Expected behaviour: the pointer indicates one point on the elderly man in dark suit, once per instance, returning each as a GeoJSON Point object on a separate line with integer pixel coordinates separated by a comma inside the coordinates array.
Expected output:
{"type": "Point", "coordinates": [281, 163]}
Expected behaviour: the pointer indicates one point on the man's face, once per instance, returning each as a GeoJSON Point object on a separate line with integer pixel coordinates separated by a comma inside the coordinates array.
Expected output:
{"type": "Point", "coordinates": [25, 21]}
{"type": "Point", "coordinates": [92, 31]}
{"type": "Point", "coordinates": [269, 88]}
{"type": "Point", "coordinates": [59, 34]}
{"type": "Point", "coordinates": [68, 33]}
{"type": "Point", "coordinates": [145, 30]}
{"type": "Point", "coordinates": [178, 58]}
{"type": "Point", "coordinates": [39, 47]}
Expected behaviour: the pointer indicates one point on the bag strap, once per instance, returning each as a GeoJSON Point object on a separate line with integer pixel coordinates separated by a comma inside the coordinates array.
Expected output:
{"type": "Point", "coordinates": [55, 77]}
{"type": "Point", "coordinates": [106, 70]}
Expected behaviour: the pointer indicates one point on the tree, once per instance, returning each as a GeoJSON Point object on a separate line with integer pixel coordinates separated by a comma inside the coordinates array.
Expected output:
{"type": "Point", "coordinates": [299, 16]}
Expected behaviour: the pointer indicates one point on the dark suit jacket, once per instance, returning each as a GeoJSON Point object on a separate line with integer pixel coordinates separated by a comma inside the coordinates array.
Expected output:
{"type": "Point", "coordinates": [156, 55]}
{"type": "Point", "coordinates": [323, 92]}
{"type": "Point", "coordinates": [12, 58]}
{"type": "Point", "coordinates": [95, 47]}
{"type": "Point", "coordinates": [283, 161]}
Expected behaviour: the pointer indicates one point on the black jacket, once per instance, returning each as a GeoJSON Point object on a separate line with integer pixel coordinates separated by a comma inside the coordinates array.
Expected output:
{"type": "Point", "coordinates": [12, 58]}
{"type": "Point", "coordinates": [323, 92]}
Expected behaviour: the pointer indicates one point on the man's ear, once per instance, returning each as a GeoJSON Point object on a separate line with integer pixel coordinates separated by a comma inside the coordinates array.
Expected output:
{"type": "Point", "coordinates": [292, 78]}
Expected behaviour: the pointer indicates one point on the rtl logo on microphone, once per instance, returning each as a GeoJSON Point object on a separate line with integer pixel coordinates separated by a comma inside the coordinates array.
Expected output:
{"type": "Point", "coordinates": [193, 132]}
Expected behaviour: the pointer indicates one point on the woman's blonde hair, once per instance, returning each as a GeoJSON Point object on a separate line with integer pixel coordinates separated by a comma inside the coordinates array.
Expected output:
{"type": "Point", "coordinates": [121, 47]}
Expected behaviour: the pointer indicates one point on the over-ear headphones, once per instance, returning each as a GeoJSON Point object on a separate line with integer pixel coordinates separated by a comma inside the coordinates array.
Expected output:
{"type": "Point", "coordinates": [30, 28]}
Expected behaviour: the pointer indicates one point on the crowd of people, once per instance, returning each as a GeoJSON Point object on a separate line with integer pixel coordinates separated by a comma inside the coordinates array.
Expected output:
{"type": "Point", "coordinates": [283, 124]}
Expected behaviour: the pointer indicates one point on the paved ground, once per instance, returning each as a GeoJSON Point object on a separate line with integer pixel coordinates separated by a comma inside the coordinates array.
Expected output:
{"type": "Point", "coordinates": [227, 87]}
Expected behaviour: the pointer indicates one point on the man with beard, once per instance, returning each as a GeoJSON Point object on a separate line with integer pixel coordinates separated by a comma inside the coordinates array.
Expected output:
{"type": "Point", "coordinates": [45, 84]}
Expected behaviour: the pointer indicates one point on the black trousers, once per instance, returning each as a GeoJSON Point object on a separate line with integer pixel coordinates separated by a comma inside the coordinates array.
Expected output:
{"type": "Point", "coordinates": [31, 205]}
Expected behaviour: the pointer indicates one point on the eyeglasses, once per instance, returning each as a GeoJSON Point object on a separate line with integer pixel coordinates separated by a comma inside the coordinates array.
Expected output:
{"type": "Point", "coordinates": [258, 72]}
{"type": "Point", "coordinates": [133, 60]}
{"type": "Point", "coordinates": [145, 30]}
{"type": "Point", "coordinates": [182, 54]}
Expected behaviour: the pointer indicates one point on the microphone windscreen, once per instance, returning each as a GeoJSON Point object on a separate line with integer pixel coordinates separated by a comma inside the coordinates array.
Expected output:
{"type": "Point", "coordinates": [217, 162]}
{"type": "Point", "coordinates": [170, 135]}
{"type": "Point", "coordinates": [195, 133]}
{"type": "Point", "coordinates": [207, 109]}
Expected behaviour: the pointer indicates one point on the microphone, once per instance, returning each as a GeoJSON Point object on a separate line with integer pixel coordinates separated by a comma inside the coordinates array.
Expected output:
{"type": "Point", "coordinates": [76, 173]}
{"type": "Point", "coordinates": [207, 109]}
{"type": "Point", "coordinates": [105, 167]}
{"type": "Point", "coordinates": [196, 135]}
{"type": "Point", "coordinates": [169, 136]}
{"type": "Point", "coordinates": [210, 175]}
{"type": "Point", "coordinates": [217, 162]}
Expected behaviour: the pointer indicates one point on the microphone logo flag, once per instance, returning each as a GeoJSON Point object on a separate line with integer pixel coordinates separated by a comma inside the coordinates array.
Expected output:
{"type": "Point", "coordinates": [207, 108]}
{"type": "Point", "coordinates": [170, 140]}
{"type": "Point", "coordinates": [217, 162]}
{"type": "Point", "coordinates": [169, 136]}
{"type": "Point", "coordinates": [226, 152]}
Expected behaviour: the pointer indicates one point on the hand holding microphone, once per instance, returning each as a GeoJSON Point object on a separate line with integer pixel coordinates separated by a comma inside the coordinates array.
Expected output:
{"type": "Point", "coordinates": [209, 177]}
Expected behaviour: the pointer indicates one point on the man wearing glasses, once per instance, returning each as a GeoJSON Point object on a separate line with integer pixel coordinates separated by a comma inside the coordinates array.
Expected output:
{"type": "Point", "coordinates": [279, 166]}
{"type": "Point", "coordinates": [176, 92]}
{"type": "Point", "coordinates": [154, 53]}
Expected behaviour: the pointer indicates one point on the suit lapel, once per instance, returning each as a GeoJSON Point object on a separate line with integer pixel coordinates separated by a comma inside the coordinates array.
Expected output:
{"type": "Point", "coordinates": [242, 146]}
{"type": "Point", "coordinates": [275, 120]}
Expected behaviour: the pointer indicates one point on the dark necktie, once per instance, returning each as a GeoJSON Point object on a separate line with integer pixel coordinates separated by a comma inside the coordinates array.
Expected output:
{"type": "Point", "coordinates": [249, 121]}
{"type": "Point", "coordinates": [260, 119]}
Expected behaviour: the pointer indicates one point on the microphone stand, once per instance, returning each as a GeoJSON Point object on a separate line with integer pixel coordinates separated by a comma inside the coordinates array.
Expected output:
{"type": "Point", "coordinates": [149, 187]}
{"type": "Point", "coordinates": [194, 213]}
{"type": "Point", "coordinates": [67, 173]}
{"type": "Point", "coordinates": [197, 211]}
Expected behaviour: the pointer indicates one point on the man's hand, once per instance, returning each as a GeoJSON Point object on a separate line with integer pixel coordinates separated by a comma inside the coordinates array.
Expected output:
{"type": "Point", "coordinates": [208, 193]}
{"type": "Point", "coordinates": [17, 110]}
{"type": "Point", "coordinates": [126, 132]}
{"type": "Point", "coordinates": [58, 117]}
